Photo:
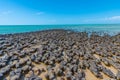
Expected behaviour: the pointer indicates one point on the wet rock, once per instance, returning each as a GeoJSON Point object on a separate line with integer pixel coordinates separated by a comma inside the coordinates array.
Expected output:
{"type": "Point", "coordinates": [46, 62]}
{"type": "Point", "coordinates": [62, 78]}
{"type": "Point", "coordinates": [33, 50]}
{"type": "Point", "coordinates": [2, 64]}
{"type": "Point", "coordinates": [59, 72]}
{"type": "Point", "coordinates": [52, 76]}
{"type": "Point", "coordinates": [12, 73]}
{"type": "Point", "coordinates": [32, 57]}
{"type": "Point", "coordinates": [83, 74]}
{"type": "Point", "coordinates": [75, 68]}
{"type": "Point", "coordinates": [26, 68]}
{"type": "Point", "coordinates": [1, 76]}
{"type": "Point", "coordinates": [100, 67]}
{"type": "Point", "coordinates": [34, 78]}
{"type": "Point", "coordinates": [22, 54]}
{"type": "Point", "coordinates": [86, 64]}
{"type": "Point", "coordinates": [95, 71]}
{"type": "Point", "coordinates": [29, 63]}
{"type": "Point", "coordinates": [68, 75]}
{"type": "Point", "coordinates": [63, 63]}
{"type": "Point", "coordinates": [44, 59]}
{"type": "Point", "coordinates": [5, 70]}
{"type": "Point", "coordinates": [1, 53]}
{"type": "Point", "coordinates": [47, 77]}
{"type": "Point", "coordinates": [43, 70]}
{"type": "Point", "coordinates": [29, 74]}
{"type": "Point", "coordinates": [63, 68]}
{"type": "Point", "coordinates": [22, 62]}
{"type": "Point", "coordinates": [118, 75]}
{"type": "Point", "coordinates": [49, 67]}
{"type": "Point", "coordinates": [37, 71]}
{"type": "Point", "coordinates": [45, 43]}
{"type": "Point", "coordinates": [73, 78]}
{"type": "Point", "coordinates": [17, 65]}
{"type": "Point", "coordinates": [15, 77]}
{"type": "Point", "coordinates": [19, 70]}
{"type": "Point", "coordinates": [105, 61]}
{"type": "Point", "coordinates": [108, 72]}
{"type": "Point", "coordinates": [14, 58]}
{"type": "Point", "coordinates": [12, 64]}
{"type": "Point", "coordinates": [83, 79]}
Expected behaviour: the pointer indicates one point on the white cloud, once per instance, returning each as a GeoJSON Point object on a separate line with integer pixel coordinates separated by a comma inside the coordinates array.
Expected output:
{"type": "Point", "coordinates": [104, 19]}
{"type": "Point", "coordinates": [113, 18]}
{"type": "Point", "coordinates": [39, 13]}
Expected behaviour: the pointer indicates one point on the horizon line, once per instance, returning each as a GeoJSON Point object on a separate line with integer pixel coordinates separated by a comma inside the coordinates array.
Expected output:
{"type": "Point", "coordinates": [61, 24]}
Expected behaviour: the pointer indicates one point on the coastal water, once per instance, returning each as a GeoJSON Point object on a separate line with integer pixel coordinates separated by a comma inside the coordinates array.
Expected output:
{"type": "Point", "coordinates": [109, 28]}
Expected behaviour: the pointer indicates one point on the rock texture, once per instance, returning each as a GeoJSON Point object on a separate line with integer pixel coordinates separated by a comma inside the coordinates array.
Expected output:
{"type": "Point", "coordinates": [59, 55]}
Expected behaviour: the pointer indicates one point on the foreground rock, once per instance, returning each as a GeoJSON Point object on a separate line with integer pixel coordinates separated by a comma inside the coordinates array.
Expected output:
{"type": "Point", "coordinates": [59, 55]}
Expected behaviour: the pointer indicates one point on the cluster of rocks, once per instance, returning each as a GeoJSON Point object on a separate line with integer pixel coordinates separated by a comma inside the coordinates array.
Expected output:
{"type": "Point", "coordinates": [66, 55]}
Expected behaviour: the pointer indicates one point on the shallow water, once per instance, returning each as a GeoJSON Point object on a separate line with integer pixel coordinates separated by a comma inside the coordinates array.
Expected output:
{"type": "Point", "coordinates": [110, 28]}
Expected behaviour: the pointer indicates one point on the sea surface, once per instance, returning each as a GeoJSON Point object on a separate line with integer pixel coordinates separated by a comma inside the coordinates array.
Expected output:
{"type": "Point", "coordinates": [108, 28]}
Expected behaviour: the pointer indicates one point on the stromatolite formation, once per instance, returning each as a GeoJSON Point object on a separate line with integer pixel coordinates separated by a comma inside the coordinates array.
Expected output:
{"type": "Point", "coordinates": [59, 55]}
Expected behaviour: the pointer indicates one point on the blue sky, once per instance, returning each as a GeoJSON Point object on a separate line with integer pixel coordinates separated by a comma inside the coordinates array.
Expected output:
{"type": "Point", "coordinates": [14, 12]}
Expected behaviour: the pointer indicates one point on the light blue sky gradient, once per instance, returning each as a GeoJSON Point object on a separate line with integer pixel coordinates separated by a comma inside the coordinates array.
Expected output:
{"type": "Point", "coordinates": [21, 12]}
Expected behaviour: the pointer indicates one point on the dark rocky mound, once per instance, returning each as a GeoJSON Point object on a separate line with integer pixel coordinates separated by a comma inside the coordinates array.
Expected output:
{"type": "Point", "coordinates": [58, 55]}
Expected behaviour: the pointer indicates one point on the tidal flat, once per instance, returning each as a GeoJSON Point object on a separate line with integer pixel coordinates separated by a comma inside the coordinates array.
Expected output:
{"type": "Point", "coordinates": [59, 55]}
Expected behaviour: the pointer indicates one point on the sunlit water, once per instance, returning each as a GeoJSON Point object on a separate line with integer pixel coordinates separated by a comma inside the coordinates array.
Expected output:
{"type": "Point", "coordinates": [109, 28]}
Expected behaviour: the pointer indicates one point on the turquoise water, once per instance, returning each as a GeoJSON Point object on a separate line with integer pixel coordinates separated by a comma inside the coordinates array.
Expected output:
{"type": "Point", "coordinates": [110, 28]}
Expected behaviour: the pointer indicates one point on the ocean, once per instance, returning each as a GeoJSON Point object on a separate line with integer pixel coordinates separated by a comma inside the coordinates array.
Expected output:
{"type": "Point", "coordinates": [108, 28]}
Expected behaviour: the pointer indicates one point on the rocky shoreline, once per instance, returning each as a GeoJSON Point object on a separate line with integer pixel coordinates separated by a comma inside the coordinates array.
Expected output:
{"type": "Point", "coordinates": [59, 55]}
